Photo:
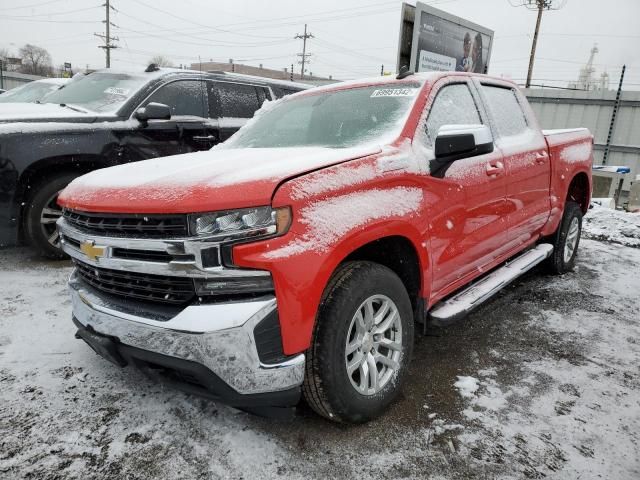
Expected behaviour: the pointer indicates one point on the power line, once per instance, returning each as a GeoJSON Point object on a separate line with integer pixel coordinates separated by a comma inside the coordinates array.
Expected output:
{"type": "Point", "coordinates": [31, 5]}
{"type": "Point", "coordinates": [52, 14]}
{"type": "Point", "coordinates": [20, 19]}
{"type": "Point", "coordinates": [209, 27]}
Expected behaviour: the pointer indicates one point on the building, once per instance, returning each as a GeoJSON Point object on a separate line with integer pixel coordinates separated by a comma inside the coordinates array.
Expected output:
{"type": "Point", "coordinates": [9, 80]}
{"type": "Point", "coordinates": [284, 74]}
{"type": "Point", "coordinates": [593, 109]}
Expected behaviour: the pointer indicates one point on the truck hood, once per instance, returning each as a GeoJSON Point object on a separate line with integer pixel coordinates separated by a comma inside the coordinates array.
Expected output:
{"type": "Point", "coordinates": [41, 112]}
{"type": "Point", "coordinates": [217, 179]}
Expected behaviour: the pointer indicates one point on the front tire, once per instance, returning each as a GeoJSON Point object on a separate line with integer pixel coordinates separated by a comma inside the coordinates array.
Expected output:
{"type": "Point", "coordinates": [362, 344]}
{"type": "Point", "coordinates": [566, 240]}
{"type": "Point", "coordinates": [41, 215]}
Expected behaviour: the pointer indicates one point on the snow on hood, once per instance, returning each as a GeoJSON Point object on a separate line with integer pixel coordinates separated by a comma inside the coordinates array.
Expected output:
{"type": "Point", "coordinates": [216, 179]}
{"type": "Point", "coordinates": [37, 111]}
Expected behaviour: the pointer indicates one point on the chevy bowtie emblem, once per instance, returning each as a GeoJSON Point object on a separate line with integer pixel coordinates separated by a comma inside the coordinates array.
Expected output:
{"type": "Point", "coordinates": [92, 251]}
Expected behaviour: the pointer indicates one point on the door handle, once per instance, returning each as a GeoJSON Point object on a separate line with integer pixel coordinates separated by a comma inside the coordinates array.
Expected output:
{"type": "Point", "coordinates": [208, 138]}
{"type": "Point", "coordinates": [541, 157]}
{"type": "Point", "coordinates": [494, 170]}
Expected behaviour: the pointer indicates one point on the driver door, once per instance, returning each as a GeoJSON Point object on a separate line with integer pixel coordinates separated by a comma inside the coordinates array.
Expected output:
{"type": "Point", "coordinates": [184, 132]}
{"type": "Point", "coordinates": [467, 219]}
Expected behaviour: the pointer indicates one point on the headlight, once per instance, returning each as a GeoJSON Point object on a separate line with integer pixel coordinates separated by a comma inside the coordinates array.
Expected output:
{"type": "Point", "coordinates": [234, 285]}
{"type": "Point", "coordinates": [242, 223]}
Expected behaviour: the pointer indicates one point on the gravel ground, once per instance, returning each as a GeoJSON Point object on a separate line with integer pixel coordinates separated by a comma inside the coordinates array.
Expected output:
{"type": "Point", "coordinates": [543, 381]}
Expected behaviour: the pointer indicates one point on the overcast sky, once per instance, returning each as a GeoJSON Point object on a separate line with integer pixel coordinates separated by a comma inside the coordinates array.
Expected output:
{"type": "Point", "coordinates": [352, 38]}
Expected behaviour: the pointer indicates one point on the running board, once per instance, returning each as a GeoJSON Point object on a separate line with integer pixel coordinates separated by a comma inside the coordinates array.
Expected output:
{"type": "Point", "coordinates": [456, 307]}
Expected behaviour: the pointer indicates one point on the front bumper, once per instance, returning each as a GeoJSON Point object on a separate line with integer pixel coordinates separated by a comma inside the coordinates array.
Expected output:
{"type": "Point", "coordinates": [216, 341]}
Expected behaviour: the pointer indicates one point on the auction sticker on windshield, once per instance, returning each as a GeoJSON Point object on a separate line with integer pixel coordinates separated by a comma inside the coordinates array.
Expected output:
{"type": "Point", "coordinates": [117, 91]}
{"type": "Point", "coordinates": [394, 92]}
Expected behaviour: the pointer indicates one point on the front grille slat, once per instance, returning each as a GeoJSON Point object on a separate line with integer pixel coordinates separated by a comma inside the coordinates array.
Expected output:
{"type": "Point", "coordinates": [138, 225]}
{"type": "Point", "coordinates": [155, 288]}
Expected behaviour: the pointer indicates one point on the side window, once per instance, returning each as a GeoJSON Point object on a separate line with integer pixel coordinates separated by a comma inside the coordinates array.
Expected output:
{"type": "Point", "coordinates": [263, 94]}
{"type": "Point", "coordinates": [184, 97]}
{"type": "Point", "coordinates": [505, 110]}
{"type": "Point", "coordinates": [237, 100]}
{"type": "Point", "coordinates": [453, 105]}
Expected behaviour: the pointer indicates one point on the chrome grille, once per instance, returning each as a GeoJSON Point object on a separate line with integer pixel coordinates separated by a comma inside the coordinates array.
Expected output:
{"type": "Point", "coordinates": [132, 225]}
{"type": "Point", "coordinates": [140, 286]}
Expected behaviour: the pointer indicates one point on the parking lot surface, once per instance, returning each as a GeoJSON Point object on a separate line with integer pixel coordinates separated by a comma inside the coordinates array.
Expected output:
{"type": "Point", "coordinates": [543, 381]}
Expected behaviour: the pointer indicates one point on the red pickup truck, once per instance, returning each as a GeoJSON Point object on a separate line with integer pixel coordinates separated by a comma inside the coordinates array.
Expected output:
{"type": "Point", "coordinates": [297, 257]}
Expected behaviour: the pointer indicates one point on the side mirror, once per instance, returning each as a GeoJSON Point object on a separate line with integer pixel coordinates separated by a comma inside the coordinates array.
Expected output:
{"type": "Point", "coordinates": [153, 111]}
{"type": "Point", "coordinates": [460, 141]}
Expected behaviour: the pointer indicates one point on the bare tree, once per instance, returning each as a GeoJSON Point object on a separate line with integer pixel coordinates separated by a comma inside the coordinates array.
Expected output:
{"type": "Point", "coordinates": [161, 61]}
{"type": "Point", "coordinates": [35, 60]}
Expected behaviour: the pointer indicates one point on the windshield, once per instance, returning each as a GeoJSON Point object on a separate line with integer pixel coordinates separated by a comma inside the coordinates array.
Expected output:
{"type": "Point", "coordinates": [30, 92]}
{"type": "Point", "coordinates": [336, 119]}
{"type": "Point", "coordinates": [98, 92]}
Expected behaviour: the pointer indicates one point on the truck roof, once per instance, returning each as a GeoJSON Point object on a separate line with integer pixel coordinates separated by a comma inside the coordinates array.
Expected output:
{"type": "Point", "coordinates": [421, 77]}
{"type": "Point", "coordinates": [161, 71]}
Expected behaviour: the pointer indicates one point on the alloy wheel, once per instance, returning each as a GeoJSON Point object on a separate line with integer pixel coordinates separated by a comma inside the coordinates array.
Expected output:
{"type": "Point", "coordinates": [571, 240]}
{"type": "Point", "coordinates": [374, 345]}
{"type": "Point", "coordinates": [48, 218]}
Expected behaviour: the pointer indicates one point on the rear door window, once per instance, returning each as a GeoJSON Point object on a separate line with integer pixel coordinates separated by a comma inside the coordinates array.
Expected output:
{"type": "Point", "coordinates": [237, 100]}
{"type": "Point", "coordinates": [184, 97]}
{"type": "Point", "coordinates": [505, 110]}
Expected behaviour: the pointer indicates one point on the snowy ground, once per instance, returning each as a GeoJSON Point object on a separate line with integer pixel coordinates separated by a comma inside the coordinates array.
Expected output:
{"type": "Point", "coordinates": [544, 381]}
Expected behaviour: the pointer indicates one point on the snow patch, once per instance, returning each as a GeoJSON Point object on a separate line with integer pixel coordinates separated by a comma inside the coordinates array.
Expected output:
{"type": "Point", "coordinates": [576, 153]}
{"type": "Point", "coordinates": [329, 220]}
{"type": "Point", "coordinates": [612, 226]}
{"type": "Point", "coordinates": [467, 386]}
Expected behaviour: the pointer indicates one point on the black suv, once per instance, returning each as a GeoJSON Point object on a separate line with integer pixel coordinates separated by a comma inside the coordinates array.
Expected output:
{"type": "Point", "coordinates": [106, 118]}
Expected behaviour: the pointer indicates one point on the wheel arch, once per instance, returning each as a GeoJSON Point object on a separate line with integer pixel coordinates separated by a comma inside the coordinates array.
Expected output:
{"type": "Point", "coordinates": [37, 172]}
{"type": "Point", "coordinates": [398, 253]}
{"type": "Point", "coordinates": [579, 191]}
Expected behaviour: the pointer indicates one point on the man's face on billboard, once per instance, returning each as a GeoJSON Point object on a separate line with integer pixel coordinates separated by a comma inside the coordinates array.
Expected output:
{"type": "Point", "coordinates": [467, 45]}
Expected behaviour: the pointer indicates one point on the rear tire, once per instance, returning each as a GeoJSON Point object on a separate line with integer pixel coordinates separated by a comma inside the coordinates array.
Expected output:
{"type": "Point", "coordinates": [365, 321]}
{"type": "Point", "coordinates": [566, 240]}
{"type": "Point", "coordinates": [41, 214]}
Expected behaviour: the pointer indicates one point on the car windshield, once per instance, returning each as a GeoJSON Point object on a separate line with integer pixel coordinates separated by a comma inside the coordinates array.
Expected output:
{"type": "Point", "coordinates": [99, 91]}
{"type": "Point", "coordinates": [30, 92]}
{"type": "Point", "coordinates": [336, 119]}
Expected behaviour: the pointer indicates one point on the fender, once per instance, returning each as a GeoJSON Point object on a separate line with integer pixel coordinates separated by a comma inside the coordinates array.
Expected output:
{"type": "Point", "coordinates": [300, 279]}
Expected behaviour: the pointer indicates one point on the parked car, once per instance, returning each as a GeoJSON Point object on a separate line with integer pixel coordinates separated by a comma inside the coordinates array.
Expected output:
{"type": "Point", "coordinates": [297, 256]}
{"type": "Point", "coordinates": [33, 91]}
{"type": "Point", "coordinates": [107, 118]}
{"type": "Point", "coordinates": [2, 91]}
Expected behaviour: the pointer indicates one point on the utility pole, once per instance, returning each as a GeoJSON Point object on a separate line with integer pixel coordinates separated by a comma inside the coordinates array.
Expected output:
{"type": "Point", "coordinates": [108, 46]}
{"type": "Point", "coordinates": [304, 53]}
{"type": "Point", "coordinates": [540, 6]}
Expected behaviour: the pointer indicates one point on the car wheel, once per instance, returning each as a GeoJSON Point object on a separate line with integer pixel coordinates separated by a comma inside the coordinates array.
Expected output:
{"type": "Point", "coordinates": [41, 215]}
{"type": "Point", "coordinates": [362, 344]}
{"type": "Point", "coordinates": [566, 240]}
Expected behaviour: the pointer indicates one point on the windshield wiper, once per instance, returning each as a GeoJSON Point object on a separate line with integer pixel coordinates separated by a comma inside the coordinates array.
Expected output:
{"type": "Point", "coordinates": [74, 108]}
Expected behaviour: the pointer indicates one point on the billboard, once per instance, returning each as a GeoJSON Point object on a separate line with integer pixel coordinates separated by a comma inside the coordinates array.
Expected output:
{"type": "Point", "coordinates": [433, 40]}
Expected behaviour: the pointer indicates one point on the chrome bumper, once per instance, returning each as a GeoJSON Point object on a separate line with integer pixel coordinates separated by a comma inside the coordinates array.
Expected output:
{"type": "Point", "coordinates": [217, 336]}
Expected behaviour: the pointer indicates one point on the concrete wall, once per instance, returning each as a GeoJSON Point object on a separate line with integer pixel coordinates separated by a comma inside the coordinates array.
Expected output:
{"type": "Point", "coordinates": [569, 108]}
